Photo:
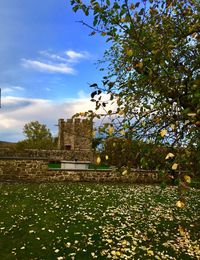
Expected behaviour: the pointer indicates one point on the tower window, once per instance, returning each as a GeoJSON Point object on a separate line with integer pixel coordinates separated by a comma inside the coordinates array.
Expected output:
{"type": "Point", "coordinates": [68, 147]}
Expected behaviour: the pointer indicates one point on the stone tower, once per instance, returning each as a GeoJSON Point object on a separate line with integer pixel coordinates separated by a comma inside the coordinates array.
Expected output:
{"type": "Point", "coordinates": [75, 135]}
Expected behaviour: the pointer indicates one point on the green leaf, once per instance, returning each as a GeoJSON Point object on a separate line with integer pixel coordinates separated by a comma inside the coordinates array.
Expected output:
{"type": "Point", "coordinates": [141, 12]}
{"type": "Point", "coordinates": [75, 8]}
{"type": "Point", "coordinates": [137, 4]}
{"type": "Point", "coordinates": [95, 21]}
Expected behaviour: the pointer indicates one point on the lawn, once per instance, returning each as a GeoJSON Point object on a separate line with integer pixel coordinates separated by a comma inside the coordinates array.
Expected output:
{"type": "Point", "coordinates": [97, 221]}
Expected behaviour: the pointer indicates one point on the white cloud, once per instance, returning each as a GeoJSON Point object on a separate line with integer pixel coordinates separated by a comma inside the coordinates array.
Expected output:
{"type": "Point", "coordinates": [17, 111]}
{"type": "Point", "coordinates": [82, 95]}
{"type": "Point", "coordinates": [52, 68]}
{"type": "Point", "coordinates": [10, 89]}
{"type": "Point", "coordinates": [52, 56]}
{"type": "Point", "coordinates": [56, 63]}
{"type": "Point", "coordinates": [76, 56]}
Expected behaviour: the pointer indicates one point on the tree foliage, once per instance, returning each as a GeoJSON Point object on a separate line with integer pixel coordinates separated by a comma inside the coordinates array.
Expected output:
{"type": "Point", "coordinates": [122, 152]}
{"type": "Point", "coordinates": [152, 69]}
{"type": "Point", "coordinates": [38, 136]}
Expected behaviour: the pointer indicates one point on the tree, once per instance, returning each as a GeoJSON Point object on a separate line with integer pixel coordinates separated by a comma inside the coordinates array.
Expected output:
{"type": "Point", "coordinates": [38, 136]}
{"type": "Point", "coordinates": [36, 131]}
{"type": "Point", "coordinates": [152, 69]}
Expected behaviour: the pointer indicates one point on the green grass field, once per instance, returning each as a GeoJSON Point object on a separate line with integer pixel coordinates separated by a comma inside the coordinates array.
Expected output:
{"type": "Point", "coordinates": [94, 221]}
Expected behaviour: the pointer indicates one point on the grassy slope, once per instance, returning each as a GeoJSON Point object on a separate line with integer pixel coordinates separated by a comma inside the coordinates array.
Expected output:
{"type": "Point", "coordinates": [84, 221]}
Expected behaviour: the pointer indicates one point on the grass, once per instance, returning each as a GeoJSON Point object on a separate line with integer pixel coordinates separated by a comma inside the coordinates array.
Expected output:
{"type": "Point", "coordinates": [54, 165]}
{"type": "Point", "coordinates": [94, 221]}
{"type": "Point", "coordinates": [195, 182]}
{"type": "Point", "coordinates": [97, 167]}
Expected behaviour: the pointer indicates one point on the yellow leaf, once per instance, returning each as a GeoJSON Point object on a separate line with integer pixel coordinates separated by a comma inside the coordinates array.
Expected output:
{"type": "Point", "coordinates": [150, 252]}
{"type": "Point", "coordinates": [187, 178]}
{"type": "Point", "coordinates": [94, 133]}
{"type": "Point", "coordinates": [157, 120]}
{"type": "Point", "coordinates": [110, 130]}
{"type": "Point", "coordinates": [103, 33]}
{"type": "Point", "coordinates": [180, 204]}
{"type": "Point", "coordinates": [106, 157]}
{"type": "Point", "coordinates": [169, 155]}
{"type": "Point", "coordinates": [122, 132]}
{"type": "Point", "coordinates": [143, 123]}
{"type": "Point", "coordinates": [181, 231]}
{"type": "Point", "coordinates": [163, 132]}
{"type": "Point", "coordinates": [114, 144]}
{"type": "Point", "coordinates": [68, 244]}
{"type": "Point", "coordinates": [123, 20]}
{"type": "Point", "coordinates": [139, 65]}
{"type": "Point", "coordinates": [121, 112]}
{"type": "Point", "coordinates": [109, 241]}
{"type": "Point", "coordinates": [129, 52]}
{"type": "Point", "coordinates": [98, 160]}
{"type": "Point", "coordinates": [172, 126]}
{"type": "Point", "coordinates": [192, 114]}
{"type": "Point", "coordinates": [175, 166]}
{"type": "Point", "coordinates": [124, 172]}
{"type": "Point", "coordinates": [82, 113]}
{"type": "Point", "coordinates": [118, 253]}
{"type": "Point", "coordinates": [124, 242]}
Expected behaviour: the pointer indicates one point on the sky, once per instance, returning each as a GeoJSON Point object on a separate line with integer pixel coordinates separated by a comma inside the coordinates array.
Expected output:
{"type": "Point", "coordinates": [47, 62]}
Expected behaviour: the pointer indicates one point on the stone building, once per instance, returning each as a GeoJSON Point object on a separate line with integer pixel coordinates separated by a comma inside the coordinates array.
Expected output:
{"type": "Point", "coordinates": [75, 135]}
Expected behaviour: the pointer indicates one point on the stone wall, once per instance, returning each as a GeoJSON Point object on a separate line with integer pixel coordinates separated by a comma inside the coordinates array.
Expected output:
{"type": "Point", "coordinates": [36, 170]}
{"type": "Point", "coordinates": [103, 176]}
{"type": "Point", "coordinates": [52, 155]}
{"type": "Point", "coordinates": [26, 169]}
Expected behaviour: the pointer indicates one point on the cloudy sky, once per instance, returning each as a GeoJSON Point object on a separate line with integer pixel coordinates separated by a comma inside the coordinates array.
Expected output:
{"type": "Point", "coordinates": [47, 62]}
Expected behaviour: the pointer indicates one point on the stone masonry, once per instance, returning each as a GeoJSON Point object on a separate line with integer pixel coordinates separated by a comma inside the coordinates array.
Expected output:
{"type": "Point", "coordinates": [36, 170]}
{"type": "Point", "coordinates": [75, 135]}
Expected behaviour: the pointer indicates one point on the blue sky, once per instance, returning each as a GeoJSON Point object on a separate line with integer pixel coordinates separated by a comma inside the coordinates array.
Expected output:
{"type": "Point", "coordinates": [47, 62]}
